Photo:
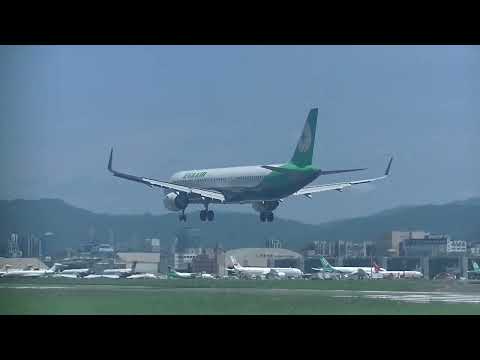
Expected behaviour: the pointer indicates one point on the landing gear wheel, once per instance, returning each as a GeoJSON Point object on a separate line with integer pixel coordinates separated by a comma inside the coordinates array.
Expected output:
{"type": "Point", "coordinates": [270, 217]}
{"type": "Point", "coordinates": [203, 215]}
{"type": "Point", "coordinates": [210, 215]}
{"type": "Point", "coordinates": [262, 217]}
{"type": "Point", "coordinates": [182, 217]}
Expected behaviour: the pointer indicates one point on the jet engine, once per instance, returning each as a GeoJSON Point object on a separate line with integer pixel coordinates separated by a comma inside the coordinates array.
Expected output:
{"type": "Point", "coordinates": [265, 206]}
{"type": "Point", "coordinates": [175, 202]}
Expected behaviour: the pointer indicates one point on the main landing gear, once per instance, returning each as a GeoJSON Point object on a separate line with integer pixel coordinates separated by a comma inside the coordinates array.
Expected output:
{"type": "Point", "coordinates": [268, 216]}
{"type": "Point", "coordinates": [207, 215]}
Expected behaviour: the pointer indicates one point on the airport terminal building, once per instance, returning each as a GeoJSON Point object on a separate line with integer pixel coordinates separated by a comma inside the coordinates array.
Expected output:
{"type": "Point", "coordinates": [265, 257]}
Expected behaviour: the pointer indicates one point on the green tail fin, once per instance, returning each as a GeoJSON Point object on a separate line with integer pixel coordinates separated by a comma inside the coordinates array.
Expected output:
{"type": "Point", "coordinates": [325, 263]}
{"type": "Point", "coordinates": [304, 150]}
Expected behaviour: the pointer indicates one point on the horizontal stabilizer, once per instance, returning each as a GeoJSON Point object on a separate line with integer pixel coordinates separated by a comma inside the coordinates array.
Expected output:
{"type": "Point", "coordinates": [328, 172]}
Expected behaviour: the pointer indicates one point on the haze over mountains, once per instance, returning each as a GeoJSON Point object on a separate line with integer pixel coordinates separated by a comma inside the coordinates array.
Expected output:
{"type": "Point", "coordinates": [73, 226]}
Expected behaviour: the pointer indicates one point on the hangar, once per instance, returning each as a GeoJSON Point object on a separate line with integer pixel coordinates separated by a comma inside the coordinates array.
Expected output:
{"type": "Point", "coordinates": [265, 257]}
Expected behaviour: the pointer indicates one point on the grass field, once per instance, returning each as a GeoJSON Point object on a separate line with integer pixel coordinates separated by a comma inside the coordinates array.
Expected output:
{"type": "Point", "coordinates": [123, 296]}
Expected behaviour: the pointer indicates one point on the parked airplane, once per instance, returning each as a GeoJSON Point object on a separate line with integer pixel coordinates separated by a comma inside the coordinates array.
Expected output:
{"type": "Point", "coordinates": [76, 272]}
{"type": "Point", "coordinates": [271, 272]}
{"type": "Point", "coordinates": [32, 273]}
{"type": "Point", "coordinates": [407, 274]}
{"type": "Point", "coordinates": [262, 186]}
{"type": "Point", "coordinates": [180, 275]}
{"type": "Point", "coordinates": [475, 273]}
{"type": "Point", "coordinates": [345, 270]}
{"type": "Point", "coordinates": [99, 276]}
{"type": "Point", "coordinates": [142, 276]}
{"type": "Point", "coordinates": [121, 272]}
{"type": "Point", "coordinates": [207, 276]}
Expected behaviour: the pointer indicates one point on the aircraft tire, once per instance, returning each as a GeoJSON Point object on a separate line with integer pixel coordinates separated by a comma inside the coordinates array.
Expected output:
{"type": "Point", "coordinates": [210, 215]}
{"type": "Point", "coordinates": [203, 215]}
{"type": "Point", "coordinates": [270, 217]}
{"type": "Point", "coordinates": [262, 217]}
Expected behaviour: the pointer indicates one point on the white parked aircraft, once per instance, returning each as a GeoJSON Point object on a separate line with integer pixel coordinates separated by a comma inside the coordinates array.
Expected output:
{"type": "Point", "coordinates": [76, 272]}
{"type": "Point", "coordinates": [122, 272]}
{"type": "Point", "coordinates": [32, 273]}
{"type": "Point", "coordinates": [180, 275]}
{"type": "Point", "coordinates": [407, 274]}
{"type": "Point", "coordinates": [347, 271]}
{"type": "Point", "coordinates": [251, 271]}
{"type": "Point", "coordinates": [264, 187]}
{"type": "Point", "coordinates": [142, 276]}
{"type": "Point", "coordinates": [99, 276]}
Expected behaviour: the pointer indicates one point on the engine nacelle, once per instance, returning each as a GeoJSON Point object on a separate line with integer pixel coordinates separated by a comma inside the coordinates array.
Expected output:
{"type": "Point", "coordinates": [175, 202]}
{"type": "Point", "coordinates": [265, 206]}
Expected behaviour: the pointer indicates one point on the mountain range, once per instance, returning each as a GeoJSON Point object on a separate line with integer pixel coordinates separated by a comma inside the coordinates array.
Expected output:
{"type": "Point", "coordinates": [72, 226]}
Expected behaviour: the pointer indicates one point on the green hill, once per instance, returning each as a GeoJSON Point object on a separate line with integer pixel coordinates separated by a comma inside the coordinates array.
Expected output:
{"type": "Point", "coordinates": [73, 225]}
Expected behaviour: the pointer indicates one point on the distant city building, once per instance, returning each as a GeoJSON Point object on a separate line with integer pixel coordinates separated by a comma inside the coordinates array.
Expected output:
{"type": "Point", "coordinates": [14, 247]}
{"type": "Point", "coordinates": [273, 243]}
{"type": "Point", "coordinates": [264, 257]}
{"type": "Point", "coordinates": [104, 249]}
{"type": "Point", "coordinates": [475, 249]}
{"type": "Point", "coordinates": [456, 246]}
{"type": "Point", "coordinates": [183, 260]}
{"type": "Point", "coordinates": [187, 238]}
{"type": "Point", "coordinates": [413, 243]}
{"type": "Point", "coordinates": [146, 261]}
{"type": "Point", "coordinates": [211, 261]}
{"type": "Point", "coordinates": [30, 246]}
{"type": "Point", "coordinates": [428, 245]}
{"type": "Point", "coordinates": [48, 240]}
{"type": "Point", "coordinates": [204, 263]}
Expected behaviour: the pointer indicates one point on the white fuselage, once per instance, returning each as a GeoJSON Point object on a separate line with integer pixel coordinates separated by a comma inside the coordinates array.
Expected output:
{"type": "Point", "coordinates": [183, 275]}
{"type": "Point", "coordinates": [27, 273]}
{"type": "Point", "coordinates": [228, 178]}
{"type": "Point", "coordinates": [348, 269]}
{"type": "Point", "coordinates": [264, 271]}
{"type": "Point", "coordinates": [142, 276]}
{"type": "Point", "coordinates": [118, 271]}
{"type": "Point", "coordinates": [30, 273]}
{"type": "Point", "coordinates": [408, 274]}
{"type": "Point", "coordinates": [75, 271]}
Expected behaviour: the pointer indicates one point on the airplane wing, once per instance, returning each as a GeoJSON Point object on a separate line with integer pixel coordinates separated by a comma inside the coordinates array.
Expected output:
{"type": "Point", "coordinates": [308, 190]}
{"type": "Point", "coordinates": [211, 194]}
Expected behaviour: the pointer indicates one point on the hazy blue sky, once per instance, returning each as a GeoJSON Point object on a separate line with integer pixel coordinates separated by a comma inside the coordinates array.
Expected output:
{"type": "Point", "coordinates": [169, 108]}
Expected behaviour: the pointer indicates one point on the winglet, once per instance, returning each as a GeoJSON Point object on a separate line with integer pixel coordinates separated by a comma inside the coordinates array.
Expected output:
{"type": "Point", "coordinates": [387, 171]}
{"type": "Point", "coordinates": [110, 161]}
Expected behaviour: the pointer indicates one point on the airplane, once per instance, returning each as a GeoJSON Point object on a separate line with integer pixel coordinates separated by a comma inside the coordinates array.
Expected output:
{"type": "Point", "coordinates": [68, 276]}
{"type": "Point", "coordinates": [264, 187]}
{"type": "Point", "coordinates": [408, 274]}
{"type": "Point", "coordinates": [252, 271]}
{"type": "Point", "coordinates": [100, 276]}
{"type": "Point", "coordinates": [76, 272]}
{"type": "Point", "coordinates": [32, 273]}
{"type": "Point", "coordinates": [142, 276]}
{"type": "Point", "coordinates": [346, 271]}
{"type": "Point", "coordinates": [180, 275]}
{"type": "Point", "coordinates": [121, 272]}
{"type": "Point", "coordinates": [475, 273]}
{"type": "Point", "coordinates": [206, 276]}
